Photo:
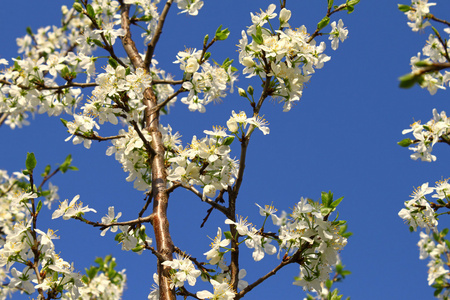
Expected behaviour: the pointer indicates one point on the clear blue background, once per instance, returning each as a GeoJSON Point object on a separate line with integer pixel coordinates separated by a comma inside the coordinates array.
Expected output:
{"type": "Point", "coordinates": [341, 137]}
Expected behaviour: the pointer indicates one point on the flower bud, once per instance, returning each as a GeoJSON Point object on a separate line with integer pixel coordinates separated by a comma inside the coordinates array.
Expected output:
{"type": "Point", "coordinates": [209, 191]}
{"type": "Point", "coordinates": [250, 90]}
{"type": "Point", "coordinates": [248, 62]}
{"type": "Point", "coordinates": [242, 92]}
{"type": "Point", "coordinates": [232, 125]}
{"type": "Point", "coordinates": [285, 15]}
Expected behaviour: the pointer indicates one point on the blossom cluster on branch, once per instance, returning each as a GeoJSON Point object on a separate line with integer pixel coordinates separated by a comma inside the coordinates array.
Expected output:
{"type": "Point", "coordinates": [132, 92]}
{"type": "Point", "coordinates": [429, 71]}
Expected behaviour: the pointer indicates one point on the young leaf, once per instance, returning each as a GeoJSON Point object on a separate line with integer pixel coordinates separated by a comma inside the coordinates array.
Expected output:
{"type": "Point", "coordinates": [90, 11]}
{"type": "Point", "coordinates": [221, 34]}
{"type": "Point", "coordinates": [324, 22]}
{"type": "Point", "coordinates": [39, 206]}
{"type": "Point", "coordinates": [112, 62]}
{"type": "Point", "coordinates": [407, 81]}
{"type": "Point", "coordinates": [404, 8]}
{"type": "Point", "coordinates": [30, 162]}
{"type": "Point", "coordinates": [336, 202]}
{"type": "Point", "coordinates": [330, 4]}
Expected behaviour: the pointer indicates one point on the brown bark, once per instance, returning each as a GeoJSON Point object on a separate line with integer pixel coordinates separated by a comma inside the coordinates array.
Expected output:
{"type": "Point", "coordinates": [160, 222]}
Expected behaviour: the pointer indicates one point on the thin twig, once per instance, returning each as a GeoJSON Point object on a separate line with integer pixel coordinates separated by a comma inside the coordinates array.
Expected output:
{"type": "Point", "coordinates": [217, 206]}
{"type": "Point", "coordinates": [158, 31]}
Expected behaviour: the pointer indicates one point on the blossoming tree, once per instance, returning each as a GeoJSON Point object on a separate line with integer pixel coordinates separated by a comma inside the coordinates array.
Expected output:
{"type": "Point", "coordinates": [59, 67]}
{"type": "Point", "coordinates": [429, 71]}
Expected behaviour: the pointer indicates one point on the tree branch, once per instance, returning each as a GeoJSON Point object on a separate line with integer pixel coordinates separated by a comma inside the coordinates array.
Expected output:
{"type": "Point", "coordinates": [217, 206]}
{"type": "Point", "coordinates": [262, 279]}
{"type": "Point", "coordinates": [151, 46]}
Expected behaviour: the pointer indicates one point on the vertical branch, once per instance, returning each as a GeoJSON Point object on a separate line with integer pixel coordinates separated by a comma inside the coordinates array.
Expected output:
{"type": "Point", "coordinates": [233, 193]}
{"type": "Point", "coordinates": [151, 46]}
{"type": "Point", "coordinates": [127, 41]}
{"type": "Point", "coordinates": [160, 223]}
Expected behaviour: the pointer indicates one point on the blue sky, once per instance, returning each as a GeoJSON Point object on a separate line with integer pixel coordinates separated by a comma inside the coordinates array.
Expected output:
{"type": "Point", "coordinates": [340, 137]}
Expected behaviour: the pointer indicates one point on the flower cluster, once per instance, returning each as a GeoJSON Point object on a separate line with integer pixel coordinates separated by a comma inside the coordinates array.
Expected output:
{"type": "Point", "coordinates": [427, 135]}
{"type": "Point", "coordinates": [22, 244]}
{"type": "Point", "coordinates": [417, 14]}
{"type": "Point", "coordinates": [310, 239]}
{"type": "Point", "coordinates": [425, 67]}
{"type": "Point", "coordinates": [240, 121]}
{"type": "Point", "coordinates": [418, 211]}
{"type": "Point", "coordinates": [432, 53]}
{"type": "Point", "coordinates": [436, 250]}
{"type": "Point", "coordinates": [182, 270]}
{"type": "Point", "coordinates": [288, 55]}
{"type": "Point", "coordinates": [30, 85]}
{"type": "Point", "coordinates": [130, 151]}
{"type": "Point", "coordinates": [210, 80]}
{"type": "Point", "coordinates": [73, 209]}
{"type": "Point", "coordinates": [101, 282]}
{"type": "Point", "coordinates": [205, 162]}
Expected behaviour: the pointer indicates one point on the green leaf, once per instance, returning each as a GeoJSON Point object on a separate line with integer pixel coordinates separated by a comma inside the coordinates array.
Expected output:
{"type": "Point", "coordinates": [228, 235]}
{"type": "Point", "coordinates": [336, 202]}
{"type": "Point", "coordinates": [98, 43]}
{"type": "Point", "coordinates": [92, 272]}
{"type": "Point", "coordinates": [119, 237]}
{"type": "Point", "coordinates": [440, 201]}
{"type": "Point", "coordinates": [328, 284]}
{"type": "Point", "coordinates": [447, 242]}
{"type": "Point", "coordinates": [228, 140]}
{"type": "Point", "coordinates": [407, 81]}
{"type": "Point", "coordinates": [65, 72]}
{"type": "Point", "coordinates": [444, 232]}
{"type": "Point", "coordinates": [350, 5]}
{"type": "Point", "coordinates": [46, 171]}
{"type": "Point", "coordinates": [146, 18]}
{"type": "Point", "coordinates": [205, 40]}
{"type": "Point", "coordinates": [112, 62]}
{"type": "Point", "coordinates": [423, 63]}
{"type": "Point", "coordinates": [327, 198]}
{"type": "Point", "coordinates": [325, 210]}
{"type": "Point", "coordinates": [227, 62]}
{"type": "Point", "coordinates": [207, 55]}
{"type": "Point", "coordinates": [258, 37]}
{"type": "Point", "coordinates": [64, 122]}
{"type": "Point", "coordinates": [345, 273]}
{"type": "Point", "coordinates": [347, 234]}
{"type": "Point", "coordinates": [222, 35]}
{"type": "Point", "coordinates": [39, 206]}
{"type": "Point", "coordinates": [29, 31]}
{"type": "Point", "coordinates": [85, 279]}
{"type": "Point", "coordinates": [66, 165]}
{"type": "Point", "coordinates": [330, 4]}
{"type": "Point", "coordinates": [30, 162]}
{"type": "Point", "coordinates": [90, 11]}
{"type": "Point", "coordinates": [324, 22]}
{"type": "Point", "coordinates": [435, 31]}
